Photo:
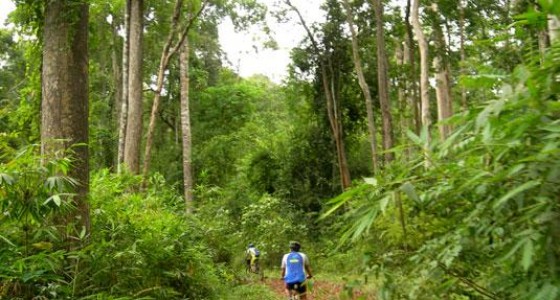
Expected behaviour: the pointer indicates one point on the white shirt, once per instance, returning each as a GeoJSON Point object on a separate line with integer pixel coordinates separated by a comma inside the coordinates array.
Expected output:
{"type": "Point", "coordinates": [303, 256]}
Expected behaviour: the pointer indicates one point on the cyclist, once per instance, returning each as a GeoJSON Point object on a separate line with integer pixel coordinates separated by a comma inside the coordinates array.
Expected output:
{"type": "Point", "coordinates": [251, 258]}
{"type": "Point", "coordinates": [295, 270]}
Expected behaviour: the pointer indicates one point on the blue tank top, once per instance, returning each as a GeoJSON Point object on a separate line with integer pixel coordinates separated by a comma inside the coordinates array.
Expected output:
{"type": "Point", "coordinates": [294, 268]}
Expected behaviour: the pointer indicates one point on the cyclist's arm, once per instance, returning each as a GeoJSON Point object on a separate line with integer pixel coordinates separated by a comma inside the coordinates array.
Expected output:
{"type": "Point", "coordinates": [308, 271]}
{"type": "Point", "coordinates": [307, 266]}
{"type": "Point", "coordinates": [283, 266]}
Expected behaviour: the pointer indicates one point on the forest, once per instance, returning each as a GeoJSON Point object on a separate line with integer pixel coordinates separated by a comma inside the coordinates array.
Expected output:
{"type": "Point", "coordinates": [412, 149]}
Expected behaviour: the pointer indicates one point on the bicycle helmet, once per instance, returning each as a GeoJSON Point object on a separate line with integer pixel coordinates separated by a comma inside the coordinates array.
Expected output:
{"type": "Point", "coordinates": [295, 246]}
{"type": "Point", "coordinates": [251, 245]}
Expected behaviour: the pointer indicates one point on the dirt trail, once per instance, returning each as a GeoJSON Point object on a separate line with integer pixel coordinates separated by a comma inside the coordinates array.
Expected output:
{"type": "Point", "coordinates": [321, 290]}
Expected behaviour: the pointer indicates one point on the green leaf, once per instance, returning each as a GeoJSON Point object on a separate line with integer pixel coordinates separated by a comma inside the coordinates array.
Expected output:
{"type": "Point", "coordinates": [5, 178]}
{"type": "Point", "coordinates": [371, 181]}
{"type": "Point", "coordinates": [7, 241]}
{"type": "Point", "coordinates": [547, 292]}
{"type": "Point", "coordinates": [526, 186]}
{"type": "Point", "coordinates": [545, 4]}
{"type": "Point", "coordinates": [83, 233]}
{"type": "Point", "coordinates": [487, 133]}
{"type": "Point", "coordinates": [51, 182]}
{"type": "Point", "coordinates": [528, 253]}
{"type": "Point", "coordinates": [550, 6]}
{"type": "Point", "coordinates": [413, 137]}
{"type": "Point", "coordinates": [55, 198]}
{"type": "Point", "coordinates": [409, 190]}
{"type": "Point", "coordinates": [383, 203]}
{"type": "Point", "coordinates": [343, 198]}
{"type": "Point", "coordinates": [493, 108]}
{"type": "Point", "coordinates": [513, 171]}
{"type": "Point", "coordinates": [552, 127]}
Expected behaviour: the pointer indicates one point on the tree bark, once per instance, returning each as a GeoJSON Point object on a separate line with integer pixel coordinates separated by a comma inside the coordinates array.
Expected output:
{"type": "Point", "coordinates": [402, 216]}
{"type": "Point", "coordinates": [424, 84]}
{"type": "Point", "coordinates": [116, 63]}
{"type": "Point", "coordinates": [443, 82]}
{"type": "Point", "coordinates": [186, 127]}
{"type": "Point", "coordinates": [412, 87]}
{"type": "Point", "coordinates": [405, 120]}
{"type": "Point", "coordinates": [335, 117]}
{"type": "Point", "coordinates": [163, 63]}
{"type": "Point", "coordinates": [123, 114]}
{"type": "Point", "coordinates": [64, 107]}
{"type": "Point", "coordinates": [464, 103]}
{"type": "Point", "coordinates": [168, 51]}
{"type": "Point", "coordinates": [383, 82]}
{"type": "Point", "coordinates": [542, 38]}
{"type": "Point", "coordinates": [443, 100]}
{"type": "Point", "coordinates": [364, 86]}
{"type": "Point", "coordinates": [134, 122]}
{"type": "Point", "coordinates": [333, 110]}
{"type": "Point", "coordinates": [553, 28]}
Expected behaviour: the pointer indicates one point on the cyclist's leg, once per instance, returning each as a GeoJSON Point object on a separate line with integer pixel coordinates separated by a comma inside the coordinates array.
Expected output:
{"type": "Point", "coordinates": [290, 291]}
{"type": "Point", "coordinates": [296, 291]}
{"type": "Point", "coordinates": [253, 264]}
{"type": "Point", "coordinates": [302, 291]}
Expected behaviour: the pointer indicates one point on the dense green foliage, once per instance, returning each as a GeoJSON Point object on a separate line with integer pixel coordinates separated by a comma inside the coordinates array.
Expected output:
{"type": "Point", "coordinates": [140, 247]}
{"type": "Point", "coordinates": [482, 219]}
{"type": "Point", "coordinates": [472, 216]}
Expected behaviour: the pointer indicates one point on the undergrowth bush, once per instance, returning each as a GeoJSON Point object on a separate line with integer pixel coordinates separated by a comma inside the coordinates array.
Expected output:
{"type": "Point", "coordinates": [34, 259]}
{"type": "Point", "coordinates": [476, 216]}
{"type": "Point", "coordinates": [141, 245]}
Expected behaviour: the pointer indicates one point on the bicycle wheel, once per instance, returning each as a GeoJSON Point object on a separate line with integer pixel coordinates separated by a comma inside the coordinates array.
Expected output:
{"type": "Point", "coordinates": [294, 295]}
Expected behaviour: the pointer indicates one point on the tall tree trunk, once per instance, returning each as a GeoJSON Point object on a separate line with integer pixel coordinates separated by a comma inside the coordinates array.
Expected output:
{"type": "Point", "coordinates": [117, 79]}
{"type": "Point", "coordinates": [412, 87]}
{"type": "Point", "coordinates": [424, 84]}
{"type": "Point", "coordinates": [364, 86]}
{"type": "Point", "coordinates": [64, 107]}
{"type": "Point", "coordinates": [333, 110]}
{"type": "Point", "coordinates": [553, 28]}
{"type": "Point", "coordinates": [336, 122]}
{"type": "Point", "coordinates": [169, 49]}
{"type": "Point", "coordinates": [134, 120]}
{"type": "Point", "coordinates": [402, 216]}
{"type": "Point", "coordinates": [542, 38]}
{"type": "Point", "coordinates": [186, 127]}
{"type": "Point", "coordinates": [443, 83]}
{"type": "Point", "coordinates": [405, 120]}
{"type": "Point", "coordinates": [123, 115]}
{"type": "Point", "coordinates": [163, 63]}
{"type": "Point", "coordinates": [442, 93]}
{"type": "Point", "coordinates": [383, 82]}
{"type": "Point", "coordinates": [464, 103]}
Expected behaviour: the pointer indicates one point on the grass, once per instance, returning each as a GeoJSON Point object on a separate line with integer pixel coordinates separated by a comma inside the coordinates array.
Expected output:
{"type": "Point", "coordinates": [254, 291]}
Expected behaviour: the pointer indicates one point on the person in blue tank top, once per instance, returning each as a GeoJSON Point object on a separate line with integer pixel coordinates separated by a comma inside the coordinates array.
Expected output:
{"type": "Point", "coordinates": [295, 270]}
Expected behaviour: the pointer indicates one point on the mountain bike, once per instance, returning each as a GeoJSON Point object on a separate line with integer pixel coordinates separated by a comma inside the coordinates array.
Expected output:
{"type": "Point", "coordinates": [295, 295]}
{"type": "Point", "coordinates": [255, 267]}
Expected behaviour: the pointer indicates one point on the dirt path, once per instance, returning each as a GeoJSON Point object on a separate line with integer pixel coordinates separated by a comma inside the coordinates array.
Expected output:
{"type": "Point", "coordinates": [321, 290]}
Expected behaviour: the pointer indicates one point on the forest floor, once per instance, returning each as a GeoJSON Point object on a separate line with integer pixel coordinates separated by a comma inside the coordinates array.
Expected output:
{"type": "Point", "coordinates": [321, 290]}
